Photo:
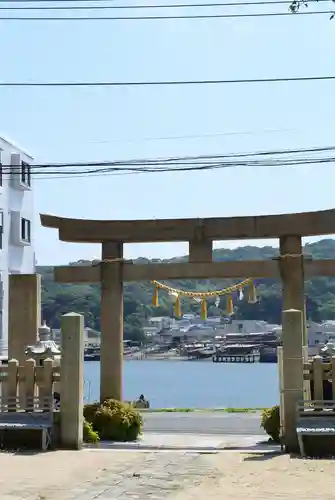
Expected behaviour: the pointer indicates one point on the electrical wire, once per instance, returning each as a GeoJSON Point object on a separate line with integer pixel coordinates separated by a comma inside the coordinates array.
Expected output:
{"type": "Point", "coordinates": [166, 82]}
{"type": "Point", "coordinates": [200, 136]}
{"type": "Point", "coordinates": [62, 175]}
{"type": "Point", "coordinates": [176, 159]}
{"type": "Point", "coordinates": [249, 2]}
{"type": "Point", "coordinates": [159, 18]}
{"type": "Point", "coordinates": [55, 1]}
{"type": "Point", "coordinates": [175, 164]}
{"type": "Point", "coordinates": [155, 6]}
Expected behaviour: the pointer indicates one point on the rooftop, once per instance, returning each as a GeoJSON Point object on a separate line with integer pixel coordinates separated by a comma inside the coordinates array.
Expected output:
{"type": "Point", "coordinates": [15, 145]}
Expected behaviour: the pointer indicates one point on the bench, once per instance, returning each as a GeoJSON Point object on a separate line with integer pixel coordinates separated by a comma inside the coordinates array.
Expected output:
{"type": "Point", "coordinates": [33, 418]}
{"type": "Point", "coordinates": [314, 418]}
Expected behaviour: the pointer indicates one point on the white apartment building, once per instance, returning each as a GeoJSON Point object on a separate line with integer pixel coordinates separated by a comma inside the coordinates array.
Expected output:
{"type": "Point", "coordinates": [17, 254]}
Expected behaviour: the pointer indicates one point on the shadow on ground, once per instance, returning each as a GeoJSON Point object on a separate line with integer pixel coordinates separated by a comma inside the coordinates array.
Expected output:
{"type": "Point", "coordinates": [262, 457]}
{"type": "Point", "coordinates": [200, 447]}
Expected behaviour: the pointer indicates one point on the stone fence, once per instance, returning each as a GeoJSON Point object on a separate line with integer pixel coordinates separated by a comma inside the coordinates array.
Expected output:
{"type": "Point", "coordinates": [320, 375]}
{"type": "Point", "coordinates": [27, 387]}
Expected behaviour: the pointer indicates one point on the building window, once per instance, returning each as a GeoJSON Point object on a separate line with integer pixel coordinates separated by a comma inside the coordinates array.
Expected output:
{"type": "Point", "coordinates": [25, 173]}
{"type": "Point", "coordinates": [25, 230]}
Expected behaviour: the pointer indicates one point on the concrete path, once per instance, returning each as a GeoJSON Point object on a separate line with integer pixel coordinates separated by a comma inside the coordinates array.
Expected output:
{"type": "Point", "coordinates": [215, 422]}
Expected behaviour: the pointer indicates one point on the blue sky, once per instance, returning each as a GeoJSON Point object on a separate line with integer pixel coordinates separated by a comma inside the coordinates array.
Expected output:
{"type": "Point", "coordinates": [78, 124]}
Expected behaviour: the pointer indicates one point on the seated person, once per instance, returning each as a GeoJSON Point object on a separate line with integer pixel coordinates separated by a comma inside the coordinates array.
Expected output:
{"type": "Point", "coordinates": [142, 402]}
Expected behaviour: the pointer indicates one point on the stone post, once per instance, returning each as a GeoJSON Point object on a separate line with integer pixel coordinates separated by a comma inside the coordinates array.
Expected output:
{"type": "Point", "coordinates": [111, 319]}
{"type": "Point", "coordinates": [72, 381]}
{"type": "Point", "coordinates": [294, 336]}
{"type": "Point", "coordinates": [24, 313]}
{"type": "Point", "coordinates": [292, 372]}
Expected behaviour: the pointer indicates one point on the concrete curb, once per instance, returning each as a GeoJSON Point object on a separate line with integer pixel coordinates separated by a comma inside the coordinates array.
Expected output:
{"type": "Point", "coordinates": [198, 444]}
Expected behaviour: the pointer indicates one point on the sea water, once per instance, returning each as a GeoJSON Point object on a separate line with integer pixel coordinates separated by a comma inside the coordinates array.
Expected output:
{"type": "Point", "coordinates": [193, 384]}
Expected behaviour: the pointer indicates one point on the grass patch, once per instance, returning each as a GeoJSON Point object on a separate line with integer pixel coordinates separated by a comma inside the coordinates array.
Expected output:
{"type": "Point", "coordinates": [190, 410]}
{"type": "Point", "coordinates": [242, 410]}
{"type": "Point", "coordinates": [170, 410]}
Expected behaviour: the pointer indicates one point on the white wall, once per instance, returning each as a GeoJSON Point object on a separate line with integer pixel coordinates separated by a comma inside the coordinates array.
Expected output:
{"type": "Point", "coordinates": [14, 258]}
{"type": "Point", "coordinates": [245, 326]}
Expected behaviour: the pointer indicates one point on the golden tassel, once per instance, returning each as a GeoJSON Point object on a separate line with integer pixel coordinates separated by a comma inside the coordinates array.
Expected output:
{"type": "Point", "coordinates": [155, 301]}
{"type": "Point", "coordinates": [229, 305]}
{"type": "Point", "coordinates": [252, 296]}
{"type": "Point", "coordinates": [203, 309]}
{"type": "Point", "coordinates": [177, 308]}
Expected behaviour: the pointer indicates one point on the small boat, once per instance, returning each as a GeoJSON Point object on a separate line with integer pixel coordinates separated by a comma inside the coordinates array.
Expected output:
{"type": "Point", "coordinates": [92, 354]}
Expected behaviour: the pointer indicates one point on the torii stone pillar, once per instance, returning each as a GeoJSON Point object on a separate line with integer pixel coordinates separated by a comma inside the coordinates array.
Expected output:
{"type": "Point", "coordinates": [292, 274]}
{"type": "Point", "coordinates": [72, 381]}
{"type": "Point", "coordinates": [24, 313]}
{"type": "Point", "coordinates": [111, 320]}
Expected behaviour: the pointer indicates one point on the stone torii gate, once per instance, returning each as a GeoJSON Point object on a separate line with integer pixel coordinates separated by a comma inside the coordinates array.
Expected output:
{"type": "Point", "coordinates": [113, 271]}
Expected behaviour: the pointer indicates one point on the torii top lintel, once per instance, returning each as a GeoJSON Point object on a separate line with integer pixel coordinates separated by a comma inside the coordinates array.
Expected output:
{"type": "Point", "coordinates": [221, 228]}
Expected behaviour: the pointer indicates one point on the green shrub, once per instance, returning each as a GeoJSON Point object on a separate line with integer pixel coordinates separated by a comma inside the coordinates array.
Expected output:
{"type": "Point", "coordinates": [89, 434]}
{"type": "Point", "coordinates": [114, 421]}
{"type": "Point", "coordinates": [90, 411]}
{"type": "Point", "coordinates": [270, 421]}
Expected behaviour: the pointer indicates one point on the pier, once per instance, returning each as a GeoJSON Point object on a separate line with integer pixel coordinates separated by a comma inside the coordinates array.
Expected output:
{"type": "Point", "coordinates": [236, 358]}
{"type": "Point", "coordinates": [237, 353]}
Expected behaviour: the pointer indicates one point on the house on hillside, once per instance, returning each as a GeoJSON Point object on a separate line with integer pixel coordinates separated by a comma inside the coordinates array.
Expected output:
{"type": "Point", "coordinates": [91, 337]}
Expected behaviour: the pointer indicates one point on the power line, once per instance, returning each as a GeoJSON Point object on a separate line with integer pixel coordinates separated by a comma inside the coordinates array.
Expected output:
{"type": "Point", "coordinates": [155, 6]}
{"type": "Point", "coordinates": [150, 161]}
{"type": "Point", "coordinates": [248, 2]}
{"type": "Point", "coordinates": [182, 163]}
{"type": "Point", "coordinates": [190, 168]}
{"type": "Point", "coordinates": [159, 18]}
{"type": "Point", "coordinates": [53, 1]}
{"type": "Point", "coordinates": [195, 136]}
{"type": "Point", "coordinates": [109, 172]}
{"type": "Point", "coordinates": [166, 82]}
{"type": "Point", "coordinates": [171, 168]}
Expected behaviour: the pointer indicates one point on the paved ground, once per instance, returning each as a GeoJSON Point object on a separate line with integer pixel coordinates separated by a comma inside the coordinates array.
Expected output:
{"type": "Point", "coordinates": [203, 423]}
{"type": "Point", "coordinates": [235, 476]}
{"type": "Point", "coordinates": [102, 475]}
{"type": "Point", "coordinates": [112, 475]}
{"type": "Point", "coordinates": [178, 471]}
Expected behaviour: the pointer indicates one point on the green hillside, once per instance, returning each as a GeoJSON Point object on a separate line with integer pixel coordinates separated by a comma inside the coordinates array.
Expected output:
{"type": "Point", "coordinates": [59, 299]}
